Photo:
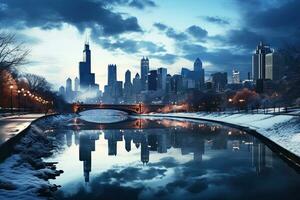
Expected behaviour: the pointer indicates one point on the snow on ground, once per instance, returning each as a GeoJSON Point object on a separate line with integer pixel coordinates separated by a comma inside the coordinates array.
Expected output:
{"type": "Point", "coordinates": [24, 174]}
{"type": "Point", "coordinates": [281, 129]}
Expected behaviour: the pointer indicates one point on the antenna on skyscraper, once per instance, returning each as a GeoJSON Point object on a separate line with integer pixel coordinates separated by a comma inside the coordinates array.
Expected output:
{"type": "Point", "coordinates": [86, 39]}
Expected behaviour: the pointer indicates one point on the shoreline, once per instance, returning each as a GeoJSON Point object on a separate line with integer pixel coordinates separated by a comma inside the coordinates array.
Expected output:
{"type": "Point", "coordinates": [289, 157]}
{"type": "Point", "coordinates": [7, 147]}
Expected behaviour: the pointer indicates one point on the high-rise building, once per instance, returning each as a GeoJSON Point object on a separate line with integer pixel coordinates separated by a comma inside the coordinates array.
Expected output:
{"type": "Point", "coordinates": [274, 66]}
{"type": "Point", "coordinates": [86, 78]}
{"type": "Point", "coordinates": [118, 87]}
{"type": "Point", "coordinates": [259, 61]}
{"type": "Point", "coordinates": [61, 91]}
{"type": "Point", "coordinates": [168, 83]}
{"type": "Point", "coordinates": [128, 76]}
{"type": "Point", "coordinates": [176, 83]}
{"type": "Point", "coordinates": [144, 72]}
{"type": "Point", "coordinates": [188, 78]}
{"type": "Point", "coordinates": [136, 84]}
{"type": "Point", "coordinates": [76, 84]}
{"type": "Point", "coordinates": [219, 81]}
{"type": "Point", "coordinates": [112, 74]}
{"type": "Point", "coordinates": [197, 65]}
{"type": "Point", "coordinates": [199, 73]}
{"type": "Point", "coordinates": [152, 80]}
{"type": "Point", "coordinates": [128, 86]}
{"type": "Point", "coordinates": [236, 77]}
{"type": "Point", "coordinates": [69, 86]}
{"type": "Point", "coordinates": [162, 78]}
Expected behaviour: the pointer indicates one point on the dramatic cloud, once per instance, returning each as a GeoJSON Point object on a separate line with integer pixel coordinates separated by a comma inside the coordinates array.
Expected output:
{"type": "Point", "coordinates": [280, 18]}
{"type": "Point", "coordinates": [244, 39]}
{"type": "Point", "coordinates": [171, 33]}
{"type": "Point", "coordinates": [48, 14]}
{"type": "Point", "coordinates": [197, 32]}
{"type": "Point", "coordinates": [142, 4]}
{"type": "Point", "coordinates": [166, 58]}
{"type": "Point", "coordinates": [160, 26]}
{"type": "Point", "coordinates": [216, 20]}
{"type": "Point", "coordinates": [131, 46]}
{"type": "Point", "coordinates": [277, 21]}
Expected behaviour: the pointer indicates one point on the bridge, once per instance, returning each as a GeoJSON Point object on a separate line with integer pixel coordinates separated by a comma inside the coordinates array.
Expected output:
{"type": "Point", "coordinates": [128, 108]}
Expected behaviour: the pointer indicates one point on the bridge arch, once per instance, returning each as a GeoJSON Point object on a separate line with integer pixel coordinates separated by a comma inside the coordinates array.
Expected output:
{"type": "Point", "coordinates": [130, 109]}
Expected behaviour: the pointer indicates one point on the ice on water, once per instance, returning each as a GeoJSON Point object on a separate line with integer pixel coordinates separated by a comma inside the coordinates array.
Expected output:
{"type": "Point", "coordinates": [103, 116]}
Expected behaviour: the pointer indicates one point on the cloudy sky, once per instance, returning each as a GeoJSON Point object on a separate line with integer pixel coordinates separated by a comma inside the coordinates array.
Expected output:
{"type": "Point", "coordinates": [172, 33]}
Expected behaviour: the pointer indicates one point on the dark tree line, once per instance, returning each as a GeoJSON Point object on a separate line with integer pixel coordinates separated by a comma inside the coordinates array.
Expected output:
{"type": "Point", "coordinates": [13, 54]}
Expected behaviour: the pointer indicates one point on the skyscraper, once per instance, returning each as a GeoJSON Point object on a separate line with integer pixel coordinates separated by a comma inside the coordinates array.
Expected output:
{"type": "Point", "coordinates": [235, 77]}
{"type": "Point", "coordinates": [219, 81]}
{"type": "Point", "coordinates": [128, 76]}
{"type": "Point", "coordinates": [137, 86]}
{"type": "Point", "coordinates": [112, 74]}
{"type": "Point", "coordinates": [61, 91]}
{"type": "Point", "coordinates": [128, 86]}
{"type": "Point", "coordinates": [68, 87]}
{"type": "Point", "coordinates": [259, 61]}
{"type": "Point", "coordinates": [162, 78]}
{"type": "Point", "coordinates": [144, 72]}
{"type": "Point", "coordinates": [197, 65]}
{"type": "Point", "coordinates": [76, 84]}
{"type": "Point", "coordinates": [86, 78]}
{"type": "Point", "coordinates": [176, 83]}
{"type": "Point", "coordinates": [152, 80]}
{"type": "Point", "coordinates": [274, 66]}
{"type": "Point", "coordinates": [199, 73]}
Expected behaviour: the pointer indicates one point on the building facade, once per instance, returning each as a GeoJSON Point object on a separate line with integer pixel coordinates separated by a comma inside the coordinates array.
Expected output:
{"type": "Point", "coordinates": [144, 72]}
{"type": "Point", "coordinates": [236, 77]}
{"type": "Point", "coordinates": [259, 61]}
{"type": "Point", "coordinates": [86, 78]}
{"type": "Point", "coordinates": [274, 66]}
{"type": "Point", "coordinates": [219, 81]}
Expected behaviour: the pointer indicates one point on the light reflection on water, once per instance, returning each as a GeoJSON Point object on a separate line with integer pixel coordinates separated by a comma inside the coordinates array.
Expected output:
{"type": "Point", "coordinates": [169, 159]}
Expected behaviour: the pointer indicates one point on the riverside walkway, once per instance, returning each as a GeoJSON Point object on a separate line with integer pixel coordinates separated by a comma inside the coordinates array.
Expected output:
{"type": "Point", "coordinates": [12, 125]}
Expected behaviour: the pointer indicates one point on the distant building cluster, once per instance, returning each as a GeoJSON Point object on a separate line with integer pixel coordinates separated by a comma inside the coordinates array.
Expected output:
{"type": "Point", "coordinates": [157, 86]}
{"type": "Point", "coordinates": [151, 85]}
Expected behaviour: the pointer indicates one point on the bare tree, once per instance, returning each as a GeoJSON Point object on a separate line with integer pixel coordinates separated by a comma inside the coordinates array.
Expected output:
{"type": "Point", "coordinates": [12, 52]}
{"type": "Point", "coordinates": [37, 83]}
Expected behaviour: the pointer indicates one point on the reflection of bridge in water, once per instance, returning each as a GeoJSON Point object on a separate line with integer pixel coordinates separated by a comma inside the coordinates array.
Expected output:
{"type": "Point", "coordinates": [190, 138]}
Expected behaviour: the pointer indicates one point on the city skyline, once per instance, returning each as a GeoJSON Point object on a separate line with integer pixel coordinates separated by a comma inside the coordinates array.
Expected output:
{"type": "Point", "coordinates": [222, 38]}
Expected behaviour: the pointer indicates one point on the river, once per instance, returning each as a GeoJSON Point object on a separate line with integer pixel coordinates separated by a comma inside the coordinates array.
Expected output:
{"type": "Point", "coordinates": [158, 158]}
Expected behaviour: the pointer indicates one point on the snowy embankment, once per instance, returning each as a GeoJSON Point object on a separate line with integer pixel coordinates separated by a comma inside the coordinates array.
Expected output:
{"type": "Point", "coordinates": [24, 174]}
{"type": "Point", "coordinates": [284, 130]}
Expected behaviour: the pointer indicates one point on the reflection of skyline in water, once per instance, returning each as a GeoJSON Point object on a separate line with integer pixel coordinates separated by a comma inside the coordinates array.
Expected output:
{"type": "Point", "coordinates": [190, 138]}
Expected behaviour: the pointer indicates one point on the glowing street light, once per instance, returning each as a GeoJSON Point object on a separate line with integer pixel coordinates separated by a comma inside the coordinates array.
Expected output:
{"type": "Point", "coordinates": [19, 106]}
{"type": "Point", "coordinates": [11, 100]}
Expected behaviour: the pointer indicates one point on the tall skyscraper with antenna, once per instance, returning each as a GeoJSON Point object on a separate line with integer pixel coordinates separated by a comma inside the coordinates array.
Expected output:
{"type": "Point", "coordinates": [86, 78]}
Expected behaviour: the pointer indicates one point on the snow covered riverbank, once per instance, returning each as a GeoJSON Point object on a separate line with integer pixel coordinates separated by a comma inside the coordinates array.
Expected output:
{"type": "Point", "coordinates": [284, 130]}
{"type": "Point", "coordinates": [24, 174]}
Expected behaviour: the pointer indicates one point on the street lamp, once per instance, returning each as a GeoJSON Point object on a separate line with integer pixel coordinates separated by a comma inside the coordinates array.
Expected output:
{"type": "Point", "coordinates": [19, 107]}
{"type": "Point", "coordinates": [25, 103]}
{"type": "Point", "coordinates": [11, 98]}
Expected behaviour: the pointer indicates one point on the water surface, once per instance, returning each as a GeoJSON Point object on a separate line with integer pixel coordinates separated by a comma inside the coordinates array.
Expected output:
{"type": "Point", "coordinates": [168, 159]}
